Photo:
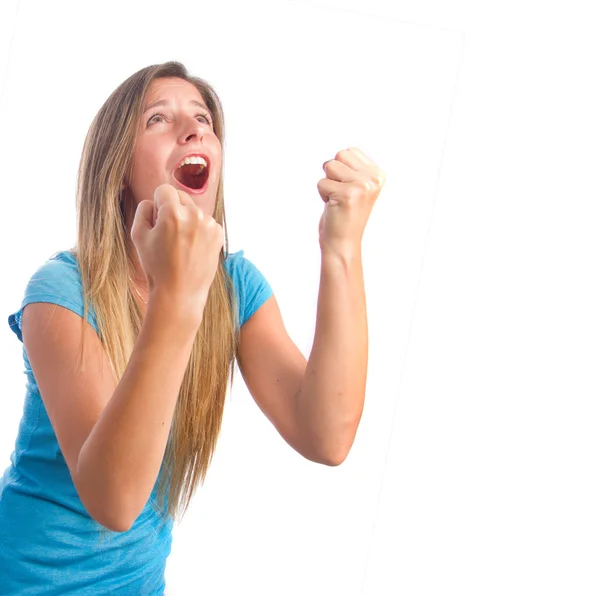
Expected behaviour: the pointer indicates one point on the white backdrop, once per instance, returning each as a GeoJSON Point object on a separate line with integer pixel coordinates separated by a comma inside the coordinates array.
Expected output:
{"type": "Point", "coordinates": [474, 467]}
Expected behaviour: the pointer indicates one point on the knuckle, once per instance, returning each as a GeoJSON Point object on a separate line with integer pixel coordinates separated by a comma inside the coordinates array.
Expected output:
{"type": "Point", "coordinates": [218, 230]}
{"type": "Point", "coordinates": [165, 193]}
{"type": "Point", "coordinates": [198, 214]}
{"type": "Point", "coordinates": [168, 213]}
{"type": "Point", "coordinates": [371, 185]}
{"type": "Point", "coordinates": [378, 178]}
{"type": "Point", "coordinates": [182, 195]}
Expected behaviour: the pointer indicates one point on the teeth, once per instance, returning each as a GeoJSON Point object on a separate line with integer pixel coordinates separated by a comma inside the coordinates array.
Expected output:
{"type": "Point", "coordinates": [195, 159]}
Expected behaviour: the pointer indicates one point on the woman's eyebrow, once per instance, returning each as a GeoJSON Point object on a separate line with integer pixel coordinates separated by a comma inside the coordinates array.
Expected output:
{"type": "Point", "coordinates": [164, 102]}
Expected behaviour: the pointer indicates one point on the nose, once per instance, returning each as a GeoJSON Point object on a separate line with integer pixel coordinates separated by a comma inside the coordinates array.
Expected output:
{"type": "Point", "coordinates": [193, 128]}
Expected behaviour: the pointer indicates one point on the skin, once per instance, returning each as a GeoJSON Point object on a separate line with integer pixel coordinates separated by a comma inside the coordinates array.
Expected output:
{"type": "Point", "coordinates": [162, 141]}
{"type": "Point", "coordinates": [317, 404]}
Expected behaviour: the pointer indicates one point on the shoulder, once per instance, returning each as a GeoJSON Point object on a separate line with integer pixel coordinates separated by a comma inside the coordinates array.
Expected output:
{"type": "Point", "coordinates": [251, 286]}
{"type": "Point", "coordinates": [59, 275]}
{"type": "Point", "coordinates": [56, 281]}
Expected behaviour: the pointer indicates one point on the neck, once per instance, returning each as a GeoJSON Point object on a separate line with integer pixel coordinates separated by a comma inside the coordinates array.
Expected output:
{"type": "Point", "coordinates": [136, 272]}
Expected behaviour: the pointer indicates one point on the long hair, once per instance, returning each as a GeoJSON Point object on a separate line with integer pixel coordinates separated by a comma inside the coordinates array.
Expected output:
{"type": "Point", "coordinates": [104, 263]}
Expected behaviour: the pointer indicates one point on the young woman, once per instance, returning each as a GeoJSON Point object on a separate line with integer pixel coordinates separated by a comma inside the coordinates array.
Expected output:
{"type": "Point", "coordinates": [129, 340]}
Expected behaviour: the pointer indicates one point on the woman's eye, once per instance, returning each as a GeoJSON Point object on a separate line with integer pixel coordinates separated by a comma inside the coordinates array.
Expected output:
{"type": "Point", "coordinates": [154, 116]}
{"type": "Point", "coordinates": [151, 121]}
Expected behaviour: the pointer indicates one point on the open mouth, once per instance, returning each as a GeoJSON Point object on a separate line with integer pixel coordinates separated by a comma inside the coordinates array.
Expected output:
{"type": "Point", "coordinates": [192, 176]}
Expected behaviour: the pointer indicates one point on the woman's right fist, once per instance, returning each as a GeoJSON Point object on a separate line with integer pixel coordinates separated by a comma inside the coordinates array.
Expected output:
{"type": "Point", "coordinates": [178, 247]}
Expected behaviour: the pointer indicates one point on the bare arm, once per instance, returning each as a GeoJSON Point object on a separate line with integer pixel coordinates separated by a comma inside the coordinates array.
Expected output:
{"type": "Point", "coordinates": [120, 460]}
{"type": "Point", "coordinates": [113, 437]}
{"type": "Point", "coordinates": [317, 405]}
{"type": "Point", "coordinates": [332, 394]}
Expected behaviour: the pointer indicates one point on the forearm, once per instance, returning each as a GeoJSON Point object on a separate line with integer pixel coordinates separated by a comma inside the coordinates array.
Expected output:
{"type": "Point", "coordinates": [331, 400]}
{"type": "Point", "coordinates": [120, 460]}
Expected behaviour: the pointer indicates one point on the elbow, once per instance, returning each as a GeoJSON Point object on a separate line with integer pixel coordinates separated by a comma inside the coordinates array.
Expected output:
{"type": "Point", "coordinates": [118, 525]}
{"type": "Point", "coordinates": [336, 455]}
{"type": "Point", "coordinates": [120, 528]}
{"type": "Point", "coordinates": [107, 513]}
{"type": "Point", "coordinates": [333, 462]}
{"type": "Point", "coordinates": [110, 521]}
{"type": "Point", "coordinates": [323, 459]}
{"type": "Point", "coordinates": [104, 506]}
{"type": "Point", "coordinates": [330, 453]}
{"type": "Point", "coordinates": [335, 458]}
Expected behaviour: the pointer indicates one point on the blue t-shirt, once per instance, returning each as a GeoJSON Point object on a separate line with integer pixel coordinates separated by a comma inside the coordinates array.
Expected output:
{"type": "Point", "coordinates": [49, 544]}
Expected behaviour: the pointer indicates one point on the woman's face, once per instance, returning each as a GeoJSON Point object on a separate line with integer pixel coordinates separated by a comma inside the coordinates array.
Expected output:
{"type": "Point", "coordinates": [168, 132]}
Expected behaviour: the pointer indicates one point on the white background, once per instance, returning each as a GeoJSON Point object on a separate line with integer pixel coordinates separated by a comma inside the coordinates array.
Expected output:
{"type": "Point", "coordinates": [474, 470]}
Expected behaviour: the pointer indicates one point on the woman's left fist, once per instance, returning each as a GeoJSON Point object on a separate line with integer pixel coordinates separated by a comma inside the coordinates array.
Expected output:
{"type": "Point", "coordinates": [351, 186]}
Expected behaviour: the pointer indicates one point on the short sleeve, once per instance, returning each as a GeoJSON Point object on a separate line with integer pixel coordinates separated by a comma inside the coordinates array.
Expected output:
{"type": "Point", "coordinates": [253, 289]}
{"type": "Point", "coordinates": [57, 281]}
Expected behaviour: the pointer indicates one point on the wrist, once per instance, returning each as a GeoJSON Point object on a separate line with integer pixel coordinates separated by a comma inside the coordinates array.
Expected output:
{"type": "Point", "coordinates": [184, 310]}
{"type": "Point", "coordinates": [346, 252]}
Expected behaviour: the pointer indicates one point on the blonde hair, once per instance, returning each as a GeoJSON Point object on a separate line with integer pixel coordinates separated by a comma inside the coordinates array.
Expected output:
{"type": "Point", "coordinates": [104, 263]}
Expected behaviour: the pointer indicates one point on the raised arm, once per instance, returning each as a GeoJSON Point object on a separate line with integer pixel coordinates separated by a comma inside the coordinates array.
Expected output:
{"type": "Point", "coordinates": [113, 437]}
